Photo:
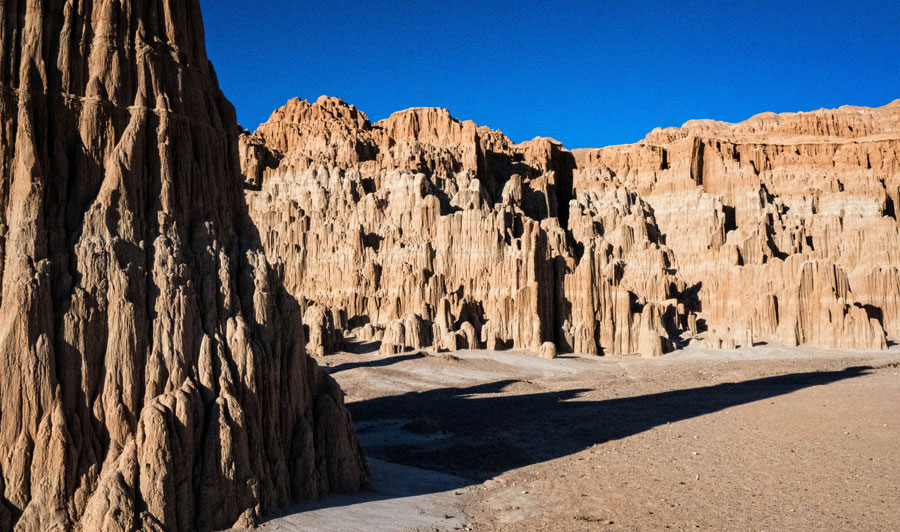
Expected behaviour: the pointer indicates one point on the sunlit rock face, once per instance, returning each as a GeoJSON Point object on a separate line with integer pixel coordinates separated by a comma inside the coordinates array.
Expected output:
{"type": "Point", "coordinates": [153, 369]}
{"type": "Point", "coordinates": [421, 230]}
{"type": "Point", "coordinates": [787, 224]}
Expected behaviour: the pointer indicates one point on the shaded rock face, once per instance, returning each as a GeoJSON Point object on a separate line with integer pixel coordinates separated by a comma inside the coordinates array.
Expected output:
{"type": "Point", "coordinates": [153, 370]}
{"type": "Point", "coordinates": [421, 230]}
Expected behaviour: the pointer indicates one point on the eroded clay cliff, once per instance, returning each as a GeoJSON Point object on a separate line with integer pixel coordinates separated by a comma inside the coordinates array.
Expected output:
{"type": "Point", "coordinates": [785, 224]}
{"type": "Point", "coordinates": [424, 231]}
{"type": "Point", "coordinates": [153, 370]}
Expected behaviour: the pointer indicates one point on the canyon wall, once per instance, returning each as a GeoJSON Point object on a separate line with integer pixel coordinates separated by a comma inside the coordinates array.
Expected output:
{"type": "Point", "coordinates": [787, 223]}
{"type": "Point", "coordinates": [424, 231]}
{"type": "Point", "coordinates": [153, 367]}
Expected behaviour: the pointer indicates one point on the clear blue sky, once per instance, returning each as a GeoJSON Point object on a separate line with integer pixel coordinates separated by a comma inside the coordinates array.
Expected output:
{"type": "Point", "coordinates": [585, 73]}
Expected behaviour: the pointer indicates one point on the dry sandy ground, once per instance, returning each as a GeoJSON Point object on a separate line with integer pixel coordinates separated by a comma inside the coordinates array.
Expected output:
{"type": "Point", "coordinates": [762, 439]}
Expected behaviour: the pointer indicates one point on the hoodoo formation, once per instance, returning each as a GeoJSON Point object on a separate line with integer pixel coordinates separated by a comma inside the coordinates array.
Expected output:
{"type": "Point", "coordinates": [161, 272]}
{"type": "Point", "coordinates": [153, 371]}
{"type": "Point", "coordinates": [424, 231]}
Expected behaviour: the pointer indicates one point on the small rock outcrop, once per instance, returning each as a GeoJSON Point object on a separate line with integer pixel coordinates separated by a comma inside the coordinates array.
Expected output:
{"type": "Point", "coordinates": [153, 368]}
{"type": "Point", "coordinates": [548, 350]}
{"type": "Point", "coordinates": [779, 229]}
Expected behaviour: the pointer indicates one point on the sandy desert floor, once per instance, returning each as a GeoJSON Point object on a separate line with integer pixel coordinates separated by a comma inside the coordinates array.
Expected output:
{"type": "Point", "coordinates": [761, 439]}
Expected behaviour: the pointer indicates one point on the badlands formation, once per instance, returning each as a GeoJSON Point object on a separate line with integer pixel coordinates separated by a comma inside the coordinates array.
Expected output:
{"type": "Point", "coordinates": [155, 264]}
{"type": "Point", "coordinates": [424, 231]}
{"type": "Point", "coordinates": [153, 368]}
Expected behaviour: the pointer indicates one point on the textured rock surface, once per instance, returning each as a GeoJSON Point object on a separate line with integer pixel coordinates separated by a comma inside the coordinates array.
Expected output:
{"type": "Point", "coordinates": [422, 230]}
{"type": "Point", "coordinates": [153, 373]}
{"type": "Point", "coordinates": [786, 225]}
{"type": "Point", "coordinates": [547, 350]}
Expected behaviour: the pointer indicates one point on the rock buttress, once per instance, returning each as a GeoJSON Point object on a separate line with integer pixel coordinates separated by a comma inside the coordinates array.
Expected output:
{"type": "Point", "coordinates": [153, 369]}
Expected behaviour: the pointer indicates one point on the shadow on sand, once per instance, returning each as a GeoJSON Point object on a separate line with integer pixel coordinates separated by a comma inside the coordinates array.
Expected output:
{"type": "Point", "coordinates": [490, 434]}
{"type": "Point", "coordinates": [485, 434]}
{"type": "Point", "coordinates": [377, 363]}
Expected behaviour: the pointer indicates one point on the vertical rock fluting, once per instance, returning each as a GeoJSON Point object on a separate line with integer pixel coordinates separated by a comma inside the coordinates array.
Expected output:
{"type": "Point", "coordinates": [424, 231]}
{"type": "Point", "coordinates": [153, 370]}
{"type": "Point", "coordinates": [781, 229]}
{"type": "Point", "coordinates": [785, 224]}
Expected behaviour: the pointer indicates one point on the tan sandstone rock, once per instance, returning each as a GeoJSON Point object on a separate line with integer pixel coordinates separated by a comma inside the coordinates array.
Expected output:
{"type": "Point", "coordinates": [785, 225]}
{"type": "Point", "coordinates": [779, 229]}
{"type": "Point", "coordinates": [153, 369]}
{"type": "Point", "coordinates": [547, 350]}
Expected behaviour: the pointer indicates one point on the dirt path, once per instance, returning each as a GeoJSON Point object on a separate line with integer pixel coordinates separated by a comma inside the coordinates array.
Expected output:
{"type": "Point", "coordinates": [760, 439]}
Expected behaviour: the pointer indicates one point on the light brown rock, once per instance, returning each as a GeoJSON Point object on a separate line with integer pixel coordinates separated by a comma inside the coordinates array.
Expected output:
{"type": "Point", "coordinates": [323, 330]}
{"type": "Point", "coordinates": [547, 350]}
{"type": "Point", "coordinates": [403, 218]}
{"type": "Point", "coordinates": [153, 370]}
{"type": "Point", "coordinates": [779, 229]}
{"type": "Point", "coordinates": [785, 225]}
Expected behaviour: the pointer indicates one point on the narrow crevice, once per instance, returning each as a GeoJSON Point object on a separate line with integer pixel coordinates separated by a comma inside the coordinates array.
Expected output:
{"type": "Point", "coordinates": [697, 161]}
